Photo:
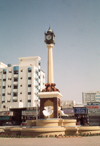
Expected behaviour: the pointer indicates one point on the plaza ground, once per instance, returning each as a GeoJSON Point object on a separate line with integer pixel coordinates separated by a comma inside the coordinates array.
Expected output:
{"type": "Point", "coordinates": [79, 141]}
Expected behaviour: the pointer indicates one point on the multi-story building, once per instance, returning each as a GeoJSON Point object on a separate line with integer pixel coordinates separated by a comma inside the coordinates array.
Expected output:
{"type": "Point", "coordinates": [98, 96]}
{"type": "Point", "coordinates": [90, 97]}
{"type": "Point", "coordinates": [20, 84]}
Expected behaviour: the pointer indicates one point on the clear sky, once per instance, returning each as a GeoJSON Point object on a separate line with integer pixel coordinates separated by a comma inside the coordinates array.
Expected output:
{"type": "Point", "coordinates": [76, 54]}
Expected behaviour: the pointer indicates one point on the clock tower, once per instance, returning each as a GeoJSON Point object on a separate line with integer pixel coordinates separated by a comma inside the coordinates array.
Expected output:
{"type": "Point", "coordinates": [49, 37]}
{"type": "Point", "coordinates": [50, 96]}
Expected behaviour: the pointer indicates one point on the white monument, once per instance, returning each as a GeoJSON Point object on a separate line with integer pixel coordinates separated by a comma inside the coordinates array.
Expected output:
{"type": "Point", "coordinates": [50, 96]}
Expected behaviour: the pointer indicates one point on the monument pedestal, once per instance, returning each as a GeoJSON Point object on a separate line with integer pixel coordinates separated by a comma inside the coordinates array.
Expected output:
{"type": "Point", "coordinates": [49, 99]}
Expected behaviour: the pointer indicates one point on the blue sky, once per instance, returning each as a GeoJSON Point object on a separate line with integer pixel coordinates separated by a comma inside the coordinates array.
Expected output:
{"type": "Point", "coordinates": [76, 24]}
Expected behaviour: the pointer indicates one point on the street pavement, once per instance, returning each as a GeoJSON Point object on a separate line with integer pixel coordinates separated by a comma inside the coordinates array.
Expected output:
{"type": "Point", "coordinates": [79, 141]}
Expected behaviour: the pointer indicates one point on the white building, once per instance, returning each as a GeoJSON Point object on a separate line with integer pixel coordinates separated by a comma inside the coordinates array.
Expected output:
{"type": "Point", "coordinates": [20, 84]}
{"type": "Point", "coordinates": [98, 96]}
{"type": "Point", "coordinates": [67, 103]}
{"type": "Point", "coordinates": [90, 97]}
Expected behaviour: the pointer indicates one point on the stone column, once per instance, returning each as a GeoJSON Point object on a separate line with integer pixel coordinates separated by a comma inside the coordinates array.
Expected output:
{"type": "Point", "coordinates": [50, 78]}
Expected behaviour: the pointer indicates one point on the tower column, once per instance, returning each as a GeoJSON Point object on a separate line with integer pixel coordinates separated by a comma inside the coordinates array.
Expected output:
{"type": "Point", "coordinates": [50, 78]}
{"type": "Point", "coordinates": [50, 95]}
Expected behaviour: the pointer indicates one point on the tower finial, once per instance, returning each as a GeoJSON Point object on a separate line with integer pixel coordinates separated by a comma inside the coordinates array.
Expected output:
{"type": "Point", "coordinates": [49, 26]}
{"type": "Point", "coordinates": [49, 30]}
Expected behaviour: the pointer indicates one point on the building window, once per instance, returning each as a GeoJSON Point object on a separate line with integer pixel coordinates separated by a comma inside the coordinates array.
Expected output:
{"type": "Point", "coordinates": [29, 70]}
{"type": "Point", "coordinates": [20, 100]}
{"type": "Point", "coordinates": [22, 70]}
{"type": "Point", "coordinates": [3, 94]}
{"type": "Point", "coordinates": [29, 78]}
{"type": "Point", "coordinates": [15, 71]}
{"type": "Point", "coordinates": [20, 85]}
{"type": "Point", "coordinates": [37, 79]}
{"type": "Point", "coordinates": [21, 78]}
{"type": "Point", "coordinates": [20, 92]}
{"type": "Point", "coordinates": [29, 93]}
{"type": "Point", "coordinates": [29, 100]}
{"type": "Point", "coordinates": [36, 72]}
{"type": "Point", "coordinates": [39, 63]}
{"type": "Point", "coordinates": [15, 87]}
{"type": "Point", "coordinates": [15, 79]}
{"type": "Point", "coordinates": [3, 87]}
{"type": "Point", "coordinates": [14, 94]}
{"type": "Point", "coordinates": [39, 70]}
{"type": "Point", "coordinates": [4, 72]}
{"type": "Point", "coordinates": [14, 100]}
{"type": "Point", "coordinates": [29, 85]}
{"type": "Point", "coordinates": [4, 79]}
{"type": "Point", "coordinates": [3, 101]}
{"type": "Point", "coordinates": [39, 84]}
{"type": "Point", "coordinates": [16, 68]}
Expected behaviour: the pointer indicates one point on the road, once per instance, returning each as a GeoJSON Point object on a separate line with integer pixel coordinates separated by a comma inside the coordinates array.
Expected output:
{"type": "Point", "coordinates": [81, 141]}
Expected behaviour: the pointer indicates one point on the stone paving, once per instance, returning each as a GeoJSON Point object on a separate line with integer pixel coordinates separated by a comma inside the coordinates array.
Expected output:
{"type": "Point", "coordinates": [79, 141]}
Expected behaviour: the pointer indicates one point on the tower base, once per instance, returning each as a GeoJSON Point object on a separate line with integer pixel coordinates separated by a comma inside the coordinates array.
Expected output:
{"type": "Point", "coordinates": [49, 99]}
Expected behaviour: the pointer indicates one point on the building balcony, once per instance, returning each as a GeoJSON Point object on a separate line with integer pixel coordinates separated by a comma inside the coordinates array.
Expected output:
{"type": "Point", "coordinates": [29, 104]}
{"type": "Point", "coordinates": [29, 97]}
{"type": "Point", "coordinates": [3, 91]}
{"type": "Point", "coordinates": [14, 97]}
{"type": "Point", "coordinates": [29, 81]}
{"type": "Point", "coordinates": [29, 89]}
{"type": "Point", "coordinates": [3, 98]}
{"type": "Point", "coordinates": [15, 83]}
{"type": "Point", "coordinates": [4, 76]}
{"type": "Point", "coordinates": [15, 75]}
{"type": "Point", "coordinates": [29, 74]}
{"type": "Point", "coordinates": [4, 84]}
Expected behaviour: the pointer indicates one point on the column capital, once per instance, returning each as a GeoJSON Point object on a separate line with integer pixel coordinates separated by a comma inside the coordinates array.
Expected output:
{"type": "Point", "coordinates": [50, 46]}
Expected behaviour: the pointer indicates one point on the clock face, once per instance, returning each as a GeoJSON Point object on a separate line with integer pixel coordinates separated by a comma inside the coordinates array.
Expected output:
{"type": "Point", "coordinates": [48, 37]}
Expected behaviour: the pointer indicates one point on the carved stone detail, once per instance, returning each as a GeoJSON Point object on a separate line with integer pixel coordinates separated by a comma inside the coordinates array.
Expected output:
{"type": "Point", "coordinates": [50, 87]}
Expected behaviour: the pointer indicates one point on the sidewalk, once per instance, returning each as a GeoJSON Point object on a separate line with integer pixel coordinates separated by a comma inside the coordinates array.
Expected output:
{"type": "Point", "coordinates": [82, 141]}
